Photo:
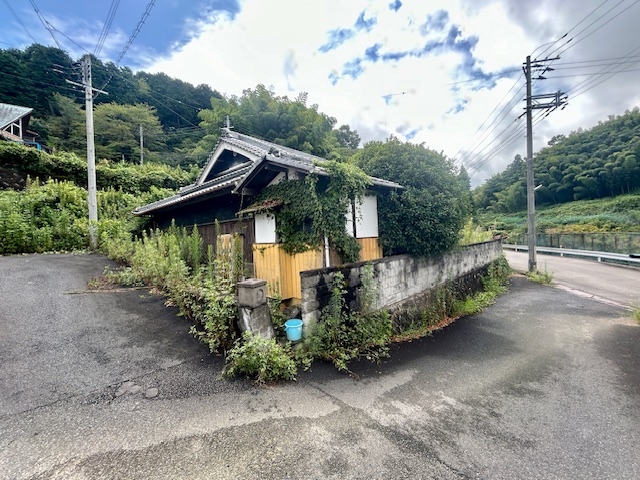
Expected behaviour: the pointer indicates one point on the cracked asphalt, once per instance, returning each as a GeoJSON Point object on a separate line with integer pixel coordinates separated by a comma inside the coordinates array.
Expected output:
{"type": "Point", "coordinates": [543, 384]}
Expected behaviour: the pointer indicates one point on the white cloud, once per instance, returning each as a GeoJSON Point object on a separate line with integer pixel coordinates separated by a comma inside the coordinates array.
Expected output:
{"type": "Point", "coordinates": [277, 43]}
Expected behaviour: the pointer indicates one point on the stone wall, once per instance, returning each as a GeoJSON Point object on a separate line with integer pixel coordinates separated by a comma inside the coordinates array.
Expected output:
{"type": "Point", "coordinates": [399, 279]}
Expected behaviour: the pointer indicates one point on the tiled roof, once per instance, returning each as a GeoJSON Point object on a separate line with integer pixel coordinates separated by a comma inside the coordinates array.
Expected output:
{"type": "Point", "coordinates": [192, 191]}
{"type": "Point", "coordinates": [266, 152]}
{"type": "Point", "coordinates": [12, 113]}
{"type": "Point", "coordinates": [264, 147]}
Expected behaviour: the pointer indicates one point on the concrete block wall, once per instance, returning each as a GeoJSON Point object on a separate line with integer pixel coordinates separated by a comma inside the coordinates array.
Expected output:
{"type": "Point", "coordinates": [398, 278]}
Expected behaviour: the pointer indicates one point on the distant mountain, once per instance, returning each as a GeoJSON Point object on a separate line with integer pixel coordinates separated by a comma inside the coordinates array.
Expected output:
{"type": "Point", "coordinates": [603, 161]}
{"type": "Point", "coordinates": [37, 78]}
{"type": "Point", "coordinates": [179, 123]}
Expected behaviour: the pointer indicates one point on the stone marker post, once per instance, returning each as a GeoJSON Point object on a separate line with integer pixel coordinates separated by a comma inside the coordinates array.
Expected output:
{"type": "Point", "coordinates": [253, 311]}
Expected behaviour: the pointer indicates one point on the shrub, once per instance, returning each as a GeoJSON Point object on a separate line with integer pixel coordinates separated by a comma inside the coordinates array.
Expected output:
{"type": "Point", "coordinates": [343, 336]}
{"type": "Point", "coordinates": [129, 178]}
{"type": "Point", "coordinates": [265, 359]}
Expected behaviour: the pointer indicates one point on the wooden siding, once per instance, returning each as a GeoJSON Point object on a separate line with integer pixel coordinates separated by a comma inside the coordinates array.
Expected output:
{"type": "Point", "coordinates": [241, 227]}
{"type": "Point", "coordinates": [371, 249]}
{"type": "Point", "coordinates": [282, 270]}
{"type": "Point", "coordinates": [266, 261]}
{"type": "Point", "coordinates": [292, 265]}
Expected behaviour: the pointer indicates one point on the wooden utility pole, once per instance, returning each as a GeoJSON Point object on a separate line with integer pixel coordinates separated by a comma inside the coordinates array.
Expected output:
{"type": "Point", "coordinates": [557, 99]}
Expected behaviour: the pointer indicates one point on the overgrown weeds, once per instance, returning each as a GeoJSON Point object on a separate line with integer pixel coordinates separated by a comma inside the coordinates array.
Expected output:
{"type": "Point", "coordinates": [266, 360]}
{"type": "Point", "coordinates": [342, 336]}
{"type": "Point", "coordinates": [202, 285]}
{"type": "Point", "coordinates": [473, 233]}
{"type": "Point", "coordinates": [545, 277]}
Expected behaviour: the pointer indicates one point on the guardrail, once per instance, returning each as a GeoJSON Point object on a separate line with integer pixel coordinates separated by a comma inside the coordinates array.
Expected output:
{"type": "Point", "coordinates": [631, 259]}
{"type": "Point", "coordinates": [614, 242]}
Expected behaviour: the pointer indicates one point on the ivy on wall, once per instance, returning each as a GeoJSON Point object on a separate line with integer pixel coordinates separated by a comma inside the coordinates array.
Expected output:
{"type": "Point", "coordinates": [315, 207]}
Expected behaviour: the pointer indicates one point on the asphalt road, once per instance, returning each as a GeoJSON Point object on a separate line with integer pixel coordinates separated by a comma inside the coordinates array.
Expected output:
{"type": "Point", "coordinates": [617, 284]}
{"type": "Point", "coordinates": [544, 384]}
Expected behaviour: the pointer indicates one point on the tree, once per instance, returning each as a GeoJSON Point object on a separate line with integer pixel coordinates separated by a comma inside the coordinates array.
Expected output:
{"type": "Point", "coordinates": [261, 113]}
{"type": "Point", "coordinates": [425, 217]}
{"type": "Point", "coordinates": [66, 127]}
{"type": "Point", "coordinates": [117, 130]}
{"type": "Point", "coordinates": [347, 138]}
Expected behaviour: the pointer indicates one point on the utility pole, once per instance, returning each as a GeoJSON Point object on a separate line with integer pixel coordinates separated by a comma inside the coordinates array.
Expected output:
{"type": "Point", "coordinates": [531, 195]}
{"type": "Point", "coordinates": [141, 145]}
{"type": "Point", "coordinates": [557, 99]}
{"type": "Point", "coordinates": [91, 151]}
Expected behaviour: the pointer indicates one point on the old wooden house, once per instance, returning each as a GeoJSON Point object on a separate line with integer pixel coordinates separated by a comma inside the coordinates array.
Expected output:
{"type": "Point", "coordinates": [14, 121]}
{"type": "Point", "coordinates": [239, 167]}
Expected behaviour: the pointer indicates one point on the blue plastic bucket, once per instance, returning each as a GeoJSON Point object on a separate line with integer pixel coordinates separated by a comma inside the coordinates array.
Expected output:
{"type": "Point", "coordinates": [293, 328]}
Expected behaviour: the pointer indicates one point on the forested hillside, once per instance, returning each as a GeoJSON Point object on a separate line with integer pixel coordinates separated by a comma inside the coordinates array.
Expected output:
{"type": "Point", "coordinates": [603, 161]}
{"type": "Point", "coordinates": [180, 122]}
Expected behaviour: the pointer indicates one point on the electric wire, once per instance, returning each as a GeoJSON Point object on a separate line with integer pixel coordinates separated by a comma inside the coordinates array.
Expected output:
{"type": "Point", "coordinates": [136, 30]}
{"type": "Point", "coordinates": [106, 27]}
{"type": "Point", "coordinates": [502, 115]}
{"type": "Point", "coordinates": [29, 79]}
{"type": "Point", "coordinates": [131, 82]}
{"type": "Point", "coordinates": [470, 148]}
{"type": "Point", "coordinates": [597, 74]}
{"type": "Point", "coordinates": [599, 27]}
{"type": "Point", "coordinates": [45, 23]}
{"type": "Point", "coordinates": [591, 83]}
{"type": "Point", "coordinates": [19, 21]}
{"type": "Point", "coordinates": [132, 38]}
{"type": "Point", "coordinates": [574, 27]}
{"type": "Point", "coordinates": [562, 50]}
{"type": "Point", "coordinates": [517, 134]}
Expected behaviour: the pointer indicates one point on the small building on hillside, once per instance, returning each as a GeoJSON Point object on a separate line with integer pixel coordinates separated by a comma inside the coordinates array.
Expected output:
{"type": "Point", "coordinates": [14, 123]}
{"type": "Point", "coordinates": [237, 170]}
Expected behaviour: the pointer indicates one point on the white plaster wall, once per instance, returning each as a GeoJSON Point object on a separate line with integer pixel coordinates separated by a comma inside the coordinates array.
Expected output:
{"type": "Point", "coordinates": [265, 228]}
{"type": "Point", "coordinates": [366, 218]}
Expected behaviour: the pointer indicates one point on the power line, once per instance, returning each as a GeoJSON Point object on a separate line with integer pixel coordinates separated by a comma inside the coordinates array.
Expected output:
{"type": "Point", "coordinates": [45, 23]}
{"type": "Point", "coordinates": [136, 31]}
{"type": "Point", "coordinates": [560, 53]}
{"type": "Point", "coordinates": [591, 83]}
{"type": "Point", "coordinates": [51, 29]}
{"type": "Point", "coordinates": [594, 31]}
{"type": "Point", "coordinates": [599, 60]}
{"type": "Point", "coordinates": [19, 21]}
{"type": "Point", "coordinates": [517, 134]}
{"type": "Point", "coordinates": [9, 45]}
{"type": "Point", "coordinates": [21, 77]}
{"type": "Point", "coordinates": [509, 131]}
{"type": "Point", "coordinates": [158, 101]}
{"type": "Point", "coordinates": [106, 27]}
{"type": "Point", "coordinates": [572, 29]}
{"type": "Point", "coordinates": [598, 74]}
{"type": "Point", "coordinates": [499, 118]}
{"type": "Point", "coordinates": [133, 36]}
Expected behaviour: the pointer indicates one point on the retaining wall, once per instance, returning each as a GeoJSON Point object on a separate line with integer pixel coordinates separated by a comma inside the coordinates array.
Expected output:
{"type": "Point", "coordinates": [399, 279]}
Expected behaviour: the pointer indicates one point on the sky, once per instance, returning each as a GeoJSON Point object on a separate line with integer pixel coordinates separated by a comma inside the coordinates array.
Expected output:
{"type": "Point", "coordinates": [447, 74]}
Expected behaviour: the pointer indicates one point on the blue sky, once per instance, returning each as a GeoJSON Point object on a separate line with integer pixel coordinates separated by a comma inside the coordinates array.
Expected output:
{"type": "Point", "coordinates": [446, 73]}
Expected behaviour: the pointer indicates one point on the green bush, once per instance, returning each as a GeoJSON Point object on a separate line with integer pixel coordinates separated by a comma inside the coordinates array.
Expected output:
{"type": "Point", "coordinates": [129, 178]}
{"type": "Point", "coordinates": [342, 336]}
{"type": "Point", "coordinates": [266, 360]}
